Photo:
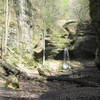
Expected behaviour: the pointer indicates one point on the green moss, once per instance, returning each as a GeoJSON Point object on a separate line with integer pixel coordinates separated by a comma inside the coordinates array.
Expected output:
{"type": "Point", "coordinates": [29, 61]}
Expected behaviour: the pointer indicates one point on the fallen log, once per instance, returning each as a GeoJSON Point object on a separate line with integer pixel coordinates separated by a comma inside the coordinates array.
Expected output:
{"type": "Point", "coordinates": [11, 81]}
{"type": "Point", "coordinates": [16, 69]}
{"type": "Point", "coordinates": [26, 73]}
{"type": "Point", "coordinates": [19, 71]}
{"type": "Point", "coordinates": [9, 69]}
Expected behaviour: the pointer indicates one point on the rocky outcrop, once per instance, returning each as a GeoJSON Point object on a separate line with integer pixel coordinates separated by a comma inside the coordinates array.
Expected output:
{"type": "Point", "coordinates": [95, 16]}
{"type": "Point", "coordinates": [85, 42]}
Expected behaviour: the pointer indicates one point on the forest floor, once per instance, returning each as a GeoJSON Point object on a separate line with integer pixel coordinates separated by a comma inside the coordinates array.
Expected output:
{"type": "Point", "coordinates": [56, 90]}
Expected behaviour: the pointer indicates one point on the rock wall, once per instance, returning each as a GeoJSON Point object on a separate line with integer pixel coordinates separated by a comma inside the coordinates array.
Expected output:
{"type": "Point", "coordinates": [95, 16]}
{"type": "Point", "coordinates": [85, 42]}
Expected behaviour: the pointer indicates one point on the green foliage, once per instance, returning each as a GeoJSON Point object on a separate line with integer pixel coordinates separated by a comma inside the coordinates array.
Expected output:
{"type": "Point", "coordinates": [81, 10]}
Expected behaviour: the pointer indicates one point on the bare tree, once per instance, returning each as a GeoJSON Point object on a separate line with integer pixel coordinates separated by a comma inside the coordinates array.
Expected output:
{"type": "Point", "coordinates": [5, 36]}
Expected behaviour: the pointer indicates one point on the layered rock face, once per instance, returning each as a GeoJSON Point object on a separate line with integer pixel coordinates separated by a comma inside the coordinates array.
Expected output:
{"type": "Point", "coordinates": [95, 16]}
{"type": "Point", "coordinates": [85, 42]}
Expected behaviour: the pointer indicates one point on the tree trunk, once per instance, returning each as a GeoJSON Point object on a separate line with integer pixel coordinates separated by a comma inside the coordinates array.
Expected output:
{"type": "Point", "coordinates": [24, 18]}
{"type": "Point", "coordinates": [6, 28]}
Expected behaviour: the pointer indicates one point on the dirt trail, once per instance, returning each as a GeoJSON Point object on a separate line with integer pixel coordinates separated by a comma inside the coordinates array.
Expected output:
{"type": "Point", "coordinates": [56, 90]}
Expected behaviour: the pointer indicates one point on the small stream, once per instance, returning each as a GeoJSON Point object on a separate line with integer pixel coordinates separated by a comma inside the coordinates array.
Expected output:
{"type": "Point", "coordinates": [66, 64]}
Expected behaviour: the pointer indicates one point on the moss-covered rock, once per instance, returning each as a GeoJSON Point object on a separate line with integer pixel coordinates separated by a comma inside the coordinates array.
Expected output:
{"type": "Point", "coordinates": [13, 83]}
